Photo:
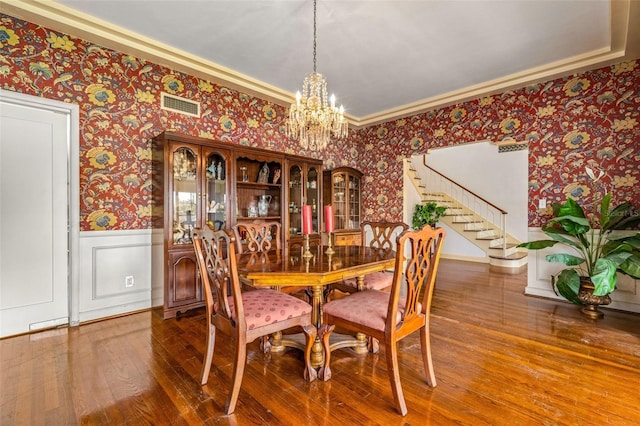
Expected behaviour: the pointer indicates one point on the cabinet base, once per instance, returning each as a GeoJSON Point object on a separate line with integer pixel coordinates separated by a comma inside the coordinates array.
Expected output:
{"type": "Point", "coordinates": [173, 312]}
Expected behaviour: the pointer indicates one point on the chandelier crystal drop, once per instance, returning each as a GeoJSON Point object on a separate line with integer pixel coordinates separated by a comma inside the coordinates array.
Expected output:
{"type": "Point", "coordinates": [313, 118]}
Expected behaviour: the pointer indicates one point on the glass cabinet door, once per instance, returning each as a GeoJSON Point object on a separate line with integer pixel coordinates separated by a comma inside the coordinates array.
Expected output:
{"type": "Point", "coordinates": [184, 197]}
{"type": "Point", "coordinates": [295, 199]}
{"type": "Point", "coordinates": [354, 202]}
{"type": "Point", "coordinates": [313, 196]}
{"type": "Point", "coordinates": [215, 190]}
{"type": "Point", "coordinates": [339, 202]}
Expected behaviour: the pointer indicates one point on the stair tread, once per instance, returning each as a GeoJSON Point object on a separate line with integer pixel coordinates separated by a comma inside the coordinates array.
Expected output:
{"type": "Point", "coordinates": [514, 256]}
{"type": "Point", "coordinates": [509, 245]}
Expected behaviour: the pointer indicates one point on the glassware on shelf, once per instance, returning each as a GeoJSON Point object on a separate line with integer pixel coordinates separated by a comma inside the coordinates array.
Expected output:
{"type": "Point", "coordinates": [245, 177]}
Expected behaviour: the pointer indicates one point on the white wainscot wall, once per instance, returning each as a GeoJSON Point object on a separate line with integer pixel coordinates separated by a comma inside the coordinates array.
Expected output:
{"type": "Point", "coordinates": [106, 259]}
{"type": "Point", "coordinates": [626, 297]}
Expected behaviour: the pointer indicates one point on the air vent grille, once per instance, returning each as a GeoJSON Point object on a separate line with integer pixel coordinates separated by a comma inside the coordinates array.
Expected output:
{"type": "Point", "coordinates": [179, 105]}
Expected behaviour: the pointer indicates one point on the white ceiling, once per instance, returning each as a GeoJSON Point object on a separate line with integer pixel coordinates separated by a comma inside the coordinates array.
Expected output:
{"type": "Point", "coordinates": [380, 58]}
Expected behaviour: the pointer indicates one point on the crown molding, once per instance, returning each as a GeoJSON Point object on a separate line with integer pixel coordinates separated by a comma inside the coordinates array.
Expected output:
{"type": "Point", "coordinates": [625, 45]}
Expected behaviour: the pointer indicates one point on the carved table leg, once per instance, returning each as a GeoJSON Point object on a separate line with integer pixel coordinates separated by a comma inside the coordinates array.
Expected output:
{"type": "Point", "coordinates": [317, 355]}
{"type": "Point", "coordinates": [361, 346]}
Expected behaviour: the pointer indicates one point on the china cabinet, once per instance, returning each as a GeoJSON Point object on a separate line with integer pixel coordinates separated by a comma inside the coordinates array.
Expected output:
{"type": "Point", "coordinates": [304, 187]}
{"type": "Point", "coordinates": [201, 182]}
{"type": "Point", "coordinates": [196, 193]}
{"type": "Point", "coordinates": [342, 189]}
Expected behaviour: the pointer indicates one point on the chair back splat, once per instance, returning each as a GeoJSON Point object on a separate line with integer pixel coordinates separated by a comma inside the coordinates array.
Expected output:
{"type": "Point", "coordinates": [257, 236]}
{"type": "Point", "coordinates": [380, 235]}
{"type": "Point", "coordinates": [391, 316]}
{"type": "Point", "coordinates": [243, 316]}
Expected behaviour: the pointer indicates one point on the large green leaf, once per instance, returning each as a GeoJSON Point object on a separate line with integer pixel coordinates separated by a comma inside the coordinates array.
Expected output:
{"type": "Point", "coordinates": [628, 222]}
{"type": "Point", "coordinates": [604, 210]}
{"type": "Point", "coordinates": [537, 245]}
{"type": "Point", "coordinates": [567, 259]}
{"type": "Point", "coordinates": [568, 285]}
{"type": "Point", "coordinates": [619, 257]}
{"type": "Point", "coordinates": [568, 208]}
{"type": "Point", "coordinates": [631, 266]}
{"type": "Point", "coordinates": [574, 225]}
{"type": "Point", "coordinates": [617, 215]}
{"type": "Point", "coordinates": [603, 277]}
{"type": "Point", "coordinates": [559, 238]}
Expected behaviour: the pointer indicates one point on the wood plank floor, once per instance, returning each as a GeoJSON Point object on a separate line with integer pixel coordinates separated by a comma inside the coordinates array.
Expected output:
{"type": "Point", "coordinates": [501, 358]}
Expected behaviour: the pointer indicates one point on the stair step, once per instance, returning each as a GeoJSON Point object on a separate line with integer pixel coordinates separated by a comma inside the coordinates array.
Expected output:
{"type": "Point", "coordinates": [515, 256]}
{"type": "Point", "coordinates": [499, 247]}
{"type": "Point", "coordinates": [464, 219]}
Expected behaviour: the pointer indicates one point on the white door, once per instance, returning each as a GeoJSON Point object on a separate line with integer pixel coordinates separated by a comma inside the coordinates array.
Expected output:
{"type": "Point", "coordinates": [34, 283]}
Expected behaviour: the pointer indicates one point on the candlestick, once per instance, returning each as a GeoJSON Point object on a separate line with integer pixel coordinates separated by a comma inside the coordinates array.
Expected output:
{"type": "Point", "coordinates": [306, 219]}
{"type": "Point", "coordinates": [328, 219]}
{"type": "Point", "coordinates": [307, 253]}
{"type": "Point", "coordinates": [329, 249]}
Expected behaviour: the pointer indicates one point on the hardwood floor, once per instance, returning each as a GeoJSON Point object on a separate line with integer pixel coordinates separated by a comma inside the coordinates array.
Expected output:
{"type": "Point", "coordinates": [501, 358]}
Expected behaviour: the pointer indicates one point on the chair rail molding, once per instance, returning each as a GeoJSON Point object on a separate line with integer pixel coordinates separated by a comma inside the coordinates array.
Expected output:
{"type": "Point", "coordinates": [120, 272]}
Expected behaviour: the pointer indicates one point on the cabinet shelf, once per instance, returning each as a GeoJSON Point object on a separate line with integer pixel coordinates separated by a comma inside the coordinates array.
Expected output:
{"type": "Point", "coordinates": [248, 218]}
{"type": "Point", "coordinates": [257, 185]}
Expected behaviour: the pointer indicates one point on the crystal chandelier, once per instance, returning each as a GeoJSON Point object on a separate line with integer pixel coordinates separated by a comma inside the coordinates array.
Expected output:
{"type": "Point", "coordinates": [311, 118]}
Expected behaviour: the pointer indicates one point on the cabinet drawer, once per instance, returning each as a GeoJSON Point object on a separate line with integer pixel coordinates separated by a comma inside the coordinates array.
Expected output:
{"type": "Point", "coordinates": [347, 240]}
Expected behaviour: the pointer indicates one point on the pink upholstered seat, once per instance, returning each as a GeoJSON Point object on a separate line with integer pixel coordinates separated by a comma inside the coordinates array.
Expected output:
{"type": "Point", "coordinates": [367, 308]}
{"type": "Point", "coordinates": [374, 281]}
{"type": "Point", "coordinates": [266, 306]}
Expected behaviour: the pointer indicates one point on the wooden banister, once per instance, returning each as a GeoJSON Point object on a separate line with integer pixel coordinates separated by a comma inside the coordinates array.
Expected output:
{"type": "Point", "coordinates": [424, 161]}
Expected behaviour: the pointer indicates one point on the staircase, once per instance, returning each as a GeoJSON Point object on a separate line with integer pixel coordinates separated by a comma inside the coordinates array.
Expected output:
{"type": "Point", "coordinates": [484, 224]}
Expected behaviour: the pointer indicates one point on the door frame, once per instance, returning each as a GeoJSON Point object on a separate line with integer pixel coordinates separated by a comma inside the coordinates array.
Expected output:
{"type": "Point", "coordinates": [72, 111]}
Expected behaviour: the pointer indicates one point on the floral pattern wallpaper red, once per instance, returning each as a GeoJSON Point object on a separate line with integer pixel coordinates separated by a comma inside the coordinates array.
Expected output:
{"type": "Point", "coordinates": [586, 120]}
{"type": "Point", "coordinates": [589, 119]}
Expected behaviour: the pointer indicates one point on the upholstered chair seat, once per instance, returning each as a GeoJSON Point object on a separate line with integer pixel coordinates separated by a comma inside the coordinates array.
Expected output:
{"type": "Point", "coordinates": [266, 306]}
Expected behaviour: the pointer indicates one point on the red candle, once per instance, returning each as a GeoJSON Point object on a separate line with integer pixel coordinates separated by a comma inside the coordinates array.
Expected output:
{"type": "Point", "coordinates": [328, 218]}
{"type": "Point", "coordinates": [306, 219]}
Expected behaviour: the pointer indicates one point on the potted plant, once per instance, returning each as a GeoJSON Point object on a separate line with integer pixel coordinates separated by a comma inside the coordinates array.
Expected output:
{"type": "Point", "coordinates": [601, 250]}
{"type": "Point", "coordinates": [427, 214]}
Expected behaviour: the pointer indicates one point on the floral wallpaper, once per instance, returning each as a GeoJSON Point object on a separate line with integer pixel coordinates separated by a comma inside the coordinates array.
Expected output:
{"type": "Point", "coordinates": [589, 119]}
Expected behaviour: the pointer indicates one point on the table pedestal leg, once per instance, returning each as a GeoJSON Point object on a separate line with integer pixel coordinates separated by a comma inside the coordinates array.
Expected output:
{"type": "Point", "coordinates": [361, 339]}
{"type": "Point", "coordinates": [317, 354]}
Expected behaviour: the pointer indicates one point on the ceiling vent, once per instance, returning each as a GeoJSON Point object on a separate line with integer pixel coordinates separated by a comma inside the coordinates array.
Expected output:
{"type": "Point", "coordinates": [179, 105]}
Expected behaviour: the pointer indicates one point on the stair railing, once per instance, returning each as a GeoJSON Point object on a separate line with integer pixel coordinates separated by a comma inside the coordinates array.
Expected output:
{"type": "Point", "coordinates": [467, 201]}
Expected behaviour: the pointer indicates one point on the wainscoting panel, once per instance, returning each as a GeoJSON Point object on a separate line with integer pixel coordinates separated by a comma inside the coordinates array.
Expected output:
{"type": "Point", "coordinates": [120, 272]}
{"type": "Point", "coordinates": [626, 297]}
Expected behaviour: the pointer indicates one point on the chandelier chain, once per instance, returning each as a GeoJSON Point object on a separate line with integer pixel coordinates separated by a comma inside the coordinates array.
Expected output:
{"type": "Point", "coordinates": [314, 35]}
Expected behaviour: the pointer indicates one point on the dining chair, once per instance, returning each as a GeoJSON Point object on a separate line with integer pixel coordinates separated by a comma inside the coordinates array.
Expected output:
{"type": "Point", "coordinates": [379, 235]}
{"type": "Point", "coordinates": [392, 316]}
{"type": "Point", "coordinates": [243, 316]}
{"type": "Point", "coordinates": [258, 236]}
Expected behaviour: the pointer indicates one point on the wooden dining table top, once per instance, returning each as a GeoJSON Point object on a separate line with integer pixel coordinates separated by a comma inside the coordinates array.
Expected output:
{"type": "Point", "coordinates": [285, 267]}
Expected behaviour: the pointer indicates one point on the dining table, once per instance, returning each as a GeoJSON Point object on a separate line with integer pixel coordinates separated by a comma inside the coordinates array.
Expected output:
{"type": "Point", "coordinates": [314, 269]}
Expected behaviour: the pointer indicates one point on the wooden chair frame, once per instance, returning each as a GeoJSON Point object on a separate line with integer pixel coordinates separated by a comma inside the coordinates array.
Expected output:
{"type": "Point", "coordinates": [417, 259]}
{"type": "Point", "coordinates": [216, 256]}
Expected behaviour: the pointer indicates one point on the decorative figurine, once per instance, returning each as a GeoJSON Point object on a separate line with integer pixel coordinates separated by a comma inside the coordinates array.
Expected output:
{"type": "Point", "coordinates": [263, 177]}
